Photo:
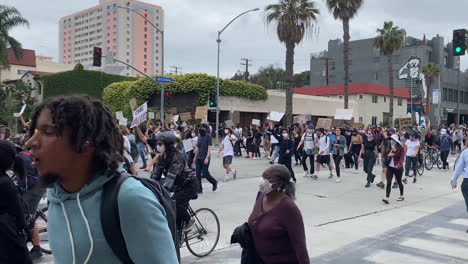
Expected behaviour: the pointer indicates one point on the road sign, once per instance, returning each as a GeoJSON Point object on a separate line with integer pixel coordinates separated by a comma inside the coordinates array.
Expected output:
{"type": "Point", "coordinates": [163, 79]}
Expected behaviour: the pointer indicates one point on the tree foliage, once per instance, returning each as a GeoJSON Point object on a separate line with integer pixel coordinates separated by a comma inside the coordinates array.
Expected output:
{"type": "Point", "coordinates": [118, 95]}
{"type": "Point", "coordinates": [79, 81]}
{"type": "Point", "coordinates": [10, 18]}
{"type": "Point", "coordinates": [14, 97]}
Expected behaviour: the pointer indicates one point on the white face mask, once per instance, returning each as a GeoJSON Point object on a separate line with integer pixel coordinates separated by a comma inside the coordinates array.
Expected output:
{"type": "Point", "coordinates": [160, 149]}
{"type": "Point", "coordinates": [194, 135]}
{"type": "Point", "coordinates": [226, 131]}
{"type": "Point", "coordinates": [285, 135]}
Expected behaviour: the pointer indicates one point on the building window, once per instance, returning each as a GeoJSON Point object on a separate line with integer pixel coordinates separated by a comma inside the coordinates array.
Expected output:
{"type": "Point", "coordinates": [145, 36]}
{"type": "Point", "coordinates": [146, 42]}
{"type": "Point", "coordinates": [375, 99]}
{"type": "Point", "coordinates": [144, 63]}
{"type": "Point", "coordinates": [146, 29]}
{"type": "Point", "coordinates": [376, 75]}
{"type": "Point", "coordinates": [361, 118]}
{"type": "Point", "coordinates": [145, 70]}
{"type": "Point", "coordinates": [361, 97]}
{"type": "Point", "coordinates": [374, 120]}
{"type": "Point", "coordinates": [145, 49]}
{"type": "Point", "coordinates": [21, 72]}
{"type": "Point", "coordinates": [400, 102]}
{"type": "Point", "coordinates": [145, 56]}
{"type": "Point", "coordinates": [445, 94]}
{"type": "Point", "coordinates": [385, 99]}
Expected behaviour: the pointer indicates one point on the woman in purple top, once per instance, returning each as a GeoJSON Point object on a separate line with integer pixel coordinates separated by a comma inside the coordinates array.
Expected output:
{"type": "Point", "coordinates": [276, 222]}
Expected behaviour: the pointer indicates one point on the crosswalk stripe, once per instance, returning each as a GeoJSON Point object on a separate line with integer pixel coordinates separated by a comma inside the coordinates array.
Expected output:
{"type": "Point", "coordinates": [441, 248]}
{"type": "Point", "coordinates": [460, 221]}
{"type": "Point", "coordinates": [448, 233]}
{"type": "Point", "coordinates": [390, 257]}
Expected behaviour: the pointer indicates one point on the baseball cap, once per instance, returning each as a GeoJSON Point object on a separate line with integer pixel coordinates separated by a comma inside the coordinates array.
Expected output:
{"type": "Point", "coordinates": [443, 131]}
{"type": "Point", "coordinates": [391, 130]}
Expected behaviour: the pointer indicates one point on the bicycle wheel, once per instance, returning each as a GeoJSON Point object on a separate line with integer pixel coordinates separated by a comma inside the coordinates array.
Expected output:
{"type": "Point", "coordinates": [420, 168]}
{"type": "Point", "coordinates": [41, 222]}
{"type": "Point", "coordinates": [204, 237]}
{"type": "Point", "coordinates": [440, 164]}
{"type": "Point", "coordinates": [428, 161]}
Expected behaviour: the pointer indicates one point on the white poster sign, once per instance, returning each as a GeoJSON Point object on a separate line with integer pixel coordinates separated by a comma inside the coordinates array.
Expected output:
{"type": "Point", "coordinates": [22, 109]}
{"type": "Point", "coordinates": [435, 96]}
{"type": "Point", "coordinates": [133, 103]}
{"type": "Point", "coordinates": [344, 114]}
{"type": "Point", "coordinates": [175, 118]}
{"type": "Point", "coordinates": [119, 115]}
{"type": "Point", "coordinates": [16, 114]}
{"type": "Point", "coordinates": [139, 115]}
{"type": "Point", "coordinates": [275, 116]}
{"type": "Point", "coordinates": [151, 115]}
{"type": "Point", "coordinates": [255, 122]}
{"type": "Point", "coordinates": [123, 121]}
{"type": "Point", "coordinates": [187, 145]}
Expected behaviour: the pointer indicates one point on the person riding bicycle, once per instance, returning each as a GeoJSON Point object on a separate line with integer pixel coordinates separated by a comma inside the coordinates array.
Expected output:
{"type": "Point", "coordinates": [13, 247]}
{"type": "Point", "coordinates": [179, 179]}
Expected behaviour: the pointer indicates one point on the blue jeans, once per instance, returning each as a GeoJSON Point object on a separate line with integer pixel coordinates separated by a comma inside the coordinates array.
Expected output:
{"type": "Point", "coordinates": [202, 171]}
{"type": "Point", "coordinates": [275, 153]}
{"type": "Point", "coordinates": [141, 151]}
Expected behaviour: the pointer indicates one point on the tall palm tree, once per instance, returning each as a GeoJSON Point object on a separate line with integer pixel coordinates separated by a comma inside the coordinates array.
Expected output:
{"type": "Point", "coordinates": [389, 40]}
{"type": "Point", "coordinates": [345, 10]}
{"type": "Point", "coordinates": [430, 71]}
{"type": "Point", "coordinates": [10, 18]}
{"type": "Point", "coordinates": [293, 19]}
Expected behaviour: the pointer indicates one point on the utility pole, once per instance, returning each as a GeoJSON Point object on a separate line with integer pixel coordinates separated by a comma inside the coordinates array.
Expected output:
{"type": "Point", "coordinates": [176, 69]}
{"type": "Point", "coordinates": [246, 64]}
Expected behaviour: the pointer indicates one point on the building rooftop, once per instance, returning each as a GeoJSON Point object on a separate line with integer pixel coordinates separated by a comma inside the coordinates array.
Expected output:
{"type": "Point", "coordinates": [354, 88]}
{"type": "Point", "coordinates": [38, 74]}
{"type": "Point", "coordinates": [28, 59]}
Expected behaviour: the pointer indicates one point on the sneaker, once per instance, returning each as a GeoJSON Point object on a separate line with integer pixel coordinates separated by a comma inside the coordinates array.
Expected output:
{"type": "Point", "coordinates": [405, 181]}
{"type": "Point", "coordinates": [271, 162]}
{"type": "Point", "coordinates": [314, 176]}
{"type": "Point", "coordinates": [414, 180]}
{"type": "Point", "coordinates": [297, 164]}
{"type": "Point", "coordinates": [367, 185]}
{"type": "Point", "coordinates": [395, 185]}
{"type": "Point", "coordinates": [247, 157]}
{"type": "Point", "coordinates": [331, 176]}
{"type": "Point", "coordinates": [215, 186]}
{"type": "Point", "coordinates": [380, 184]}
{"type": "Point", "coordinates": [35, 253]}
{"type": "Point", "coordinates": [142, 167]}
{"type": "Point", "coordinates": [338, 180]}
{"type": "Point", "coordinates": [188, 226]}
{"type": "Point", "coordinates": [225, 180]}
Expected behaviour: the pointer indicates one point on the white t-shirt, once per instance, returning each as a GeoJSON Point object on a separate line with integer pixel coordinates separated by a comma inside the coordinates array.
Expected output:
{"type": "Point", "coordinates": [127, 149]}
{"type": "Point", "coordinates": [274, 140]}
{"type": "Point", "coordinates": [309, 142]}
{"type": "Point", "coordinates": [411, 147]}
{"type": "Point", "coordinates": [324, 145]}
{"type": "Point", "coordinates": [228, 145]}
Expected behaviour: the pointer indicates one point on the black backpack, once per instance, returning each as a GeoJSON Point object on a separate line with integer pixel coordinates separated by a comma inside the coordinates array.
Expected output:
{"type": "Point", "coordinates": [110, 218]}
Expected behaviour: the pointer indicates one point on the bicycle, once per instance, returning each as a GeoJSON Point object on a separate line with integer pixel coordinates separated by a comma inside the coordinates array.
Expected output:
{"type": "Point", "coordinates": [419, 166]}
{"type": "Point", "coordinates": [203, 238]}
{"type": "Point", "coordinates": [432, 158]}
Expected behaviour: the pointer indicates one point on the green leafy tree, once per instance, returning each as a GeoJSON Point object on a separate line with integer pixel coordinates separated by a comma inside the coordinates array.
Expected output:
{"type": "Point", "coordinates": [302, 79]}
{"type": "Point", "coordinates": [345, 10]}
{"type": "Point", "coordinates": [293, 19]}
{"type": "Point", "coordinates": [10, 18]}
{"type": "Point", "coordinates": [389, 41]}
{"type": "Point", "coordinates": [430, 71]}
{"type": "Point", "coordinates": [270, 77]}
{"type": "Point", "coordinates": [15, 96]}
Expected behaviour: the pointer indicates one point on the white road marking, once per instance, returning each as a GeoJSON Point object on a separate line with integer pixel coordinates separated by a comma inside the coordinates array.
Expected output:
{"type": "Point", "coordinates": [441, 248]}
{"type": "Point", "coordinates": [449, 233]}
{"type": "Point", "coordinates": [390, 257]}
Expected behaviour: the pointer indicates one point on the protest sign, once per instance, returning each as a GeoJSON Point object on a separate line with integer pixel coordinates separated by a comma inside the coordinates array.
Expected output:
{"type": "Point", "coordinates": [139, 115]}
{"type": "Point", "coordinates": [344, 114]}
{"type": "Point", "coordinates": [22, 109]}
{"type": "Point", "coordinates": [119, 115]}
{"type": "Point", "coordinates": [123, 121]}
{"type": "Point", "coordinates": [16, 114]}
{"type": "Point", "coordinates": [201, 113]}
{"type": "Point", "coordinates": [175, 118]}
{"type": "Point", "coordinates": [186, 116]}
{"type": "Point", "coordinates": [151, 115]}
{"type": "Point", "coordinates": [133, 103]}
{"type": "Point", "coordinates": [229, 123]}
{"type": "Point", "coordinates": [173, 110]}
{"type": "Point", "coordinates": [275, 116]}
{"type": "Point", "coordinates": [168, 118]}
{"type": "Point", "coordinates": [299, 119]}
{"type": "Point", "coordinates": [404, 122]}
{"type": "Point", "coordinates": [255, 122]}
{"type": "Point", "coordinates": [324, 123]}
{"type": "Point", "coordinates": [188, 146]}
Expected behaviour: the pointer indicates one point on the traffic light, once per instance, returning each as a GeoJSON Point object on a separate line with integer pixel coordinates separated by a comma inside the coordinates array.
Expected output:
{"type": "Point", "coordinates": [459, 42]}
{"type": "Point", "coordinates": [97, 57]}
{"type": "Point", "coordinates": [213, 102]}
{"type": "Point", "coordinates": [167, 98]}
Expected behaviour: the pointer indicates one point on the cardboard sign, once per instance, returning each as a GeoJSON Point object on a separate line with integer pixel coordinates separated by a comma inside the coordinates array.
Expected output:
{"type": "Point", "coordinates": [133, 103]}
{"type": "Point", "coordinates": [187, 145]}
{"type": "Point", "coordinates": [175, 118]}
{"type": "Point", "coordinates": [186, 116]}
{"type": "Point", "coordinates": [139, 115]}
{"type": "Point", "coordinates": [168, 118]}
{"type": "Point", "coordinates": [255, 122]}
{"type": "Point", "coordinates": [344, 114]}
{"type": "Point", "coordinates": [308, 117]}
{"type": "Point", "coordinates": [201, 113]}
{"type": "Point", "coordinates": [299, 119]}
{"type": "Point", "coordinates": [404, 122]}
{"type": "Point", "coordinates": [173, 110]}
{"type": "Point", "coordinates": [123, 121]}
{"type": "Point", "coordinates": [151, 115]}
{"type": "Point", "coordinates": [275, 116]}
{"type": "Point", "coordinates": [357, 125]}
{"type": "Point", "coordinates": [22, 109]}
{"type": "Point", "coordinates": [119, 115]}
{"type": "Point", "coordinates": [229, 123]}
{"type": "Point", "coordinates": [324, 123]}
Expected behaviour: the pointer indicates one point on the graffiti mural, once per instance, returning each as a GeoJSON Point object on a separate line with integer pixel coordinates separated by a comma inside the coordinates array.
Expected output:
{"type": "Point", "coordinates": [416, 83]}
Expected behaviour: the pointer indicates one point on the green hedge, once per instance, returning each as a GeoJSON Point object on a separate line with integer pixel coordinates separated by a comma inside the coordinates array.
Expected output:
{"type": "Point", "coordinates": [117, 95]}
{"type": "Point", "coordinates": [80, 81]}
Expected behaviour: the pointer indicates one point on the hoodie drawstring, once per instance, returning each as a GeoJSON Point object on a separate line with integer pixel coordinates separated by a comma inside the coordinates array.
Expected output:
{"type": "Point", "coordinates": [69, 231]}
{"type": "Point", "coordinates": [88, 229]}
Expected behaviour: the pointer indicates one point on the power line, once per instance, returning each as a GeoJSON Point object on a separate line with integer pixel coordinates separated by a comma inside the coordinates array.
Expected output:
{"type": "Point", "coordinates": [246, 64]}
{"type": "Point", "coordinates": [176, 69]}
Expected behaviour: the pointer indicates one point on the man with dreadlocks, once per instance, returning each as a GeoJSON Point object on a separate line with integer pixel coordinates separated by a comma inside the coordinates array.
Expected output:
{"type": "Point", "coordinates": [77, 148]}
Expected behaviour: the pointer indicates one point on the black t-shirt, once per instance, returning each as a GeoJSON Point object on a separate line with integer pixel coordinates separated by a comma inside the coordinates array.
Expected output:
{"type": "Point", "coordinates": [370, 145]}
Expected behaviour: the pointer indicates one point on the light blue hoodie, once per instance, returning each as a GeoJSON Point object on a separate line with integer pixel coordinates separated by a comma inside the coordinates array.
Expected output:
{"type": "Point", "coordinates": [75, 231]}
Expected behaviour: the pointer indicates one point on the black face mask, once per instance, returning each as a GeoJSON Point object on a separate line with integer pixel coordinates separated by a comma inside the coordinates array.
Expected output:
{"type": "Point", "coordinates": [202, 132]}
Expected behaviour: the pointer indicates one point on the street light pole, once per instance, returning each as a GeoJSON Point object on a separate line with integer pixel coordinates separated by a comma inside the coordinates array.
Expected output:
{"type": "Point", "coordinates": [458, 95]}
{"type": "Point", "coordinates": [218, 40]}
{"type": "Point", "coordinates": [162, 56]}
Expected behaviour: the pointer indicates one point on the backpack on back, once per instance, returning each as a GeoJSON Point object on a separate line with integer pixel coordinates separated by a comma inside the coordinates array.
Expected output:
{"type": "Point", "coordinates": [110, 218]}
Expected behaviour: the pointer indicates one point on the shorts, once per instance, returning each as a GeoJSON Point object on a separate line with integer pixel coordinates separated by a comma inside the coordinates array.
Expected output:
{"type": "Point", "coordinates": [32, 197]}
{"type": "Point", "coordinates": [227, 160]}
{"type": "Point", "coordinates": [323, 159]}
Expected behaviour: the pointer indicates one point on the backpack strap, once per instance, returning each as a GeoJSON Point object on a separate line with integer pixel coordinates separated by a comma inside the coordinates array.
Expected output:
{"type": "Point", "coordinates": [110, 218]}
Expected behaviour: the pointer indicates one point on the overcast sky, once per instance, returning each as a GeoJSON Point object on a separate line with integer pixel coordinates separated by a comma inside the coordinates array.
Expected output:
{"type": "Point", "coordinates": [192, 25]}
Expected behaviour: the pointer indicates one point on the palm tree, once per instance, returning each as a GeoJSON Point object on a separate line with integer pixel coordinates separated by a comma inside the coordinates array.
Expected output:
{"type": "Point", "coordinates": [430, 71]}
{"type": "Point", "coordinates": [10, 18]}
{"type": "Point", "coordinates": [389, 40]}
{"type": "Point", "coordinates": [345, 10]}
{"type": "Point", "coordinates": [293, 19]}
